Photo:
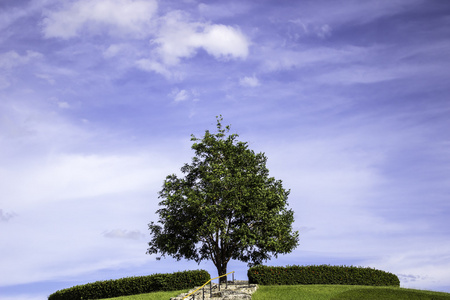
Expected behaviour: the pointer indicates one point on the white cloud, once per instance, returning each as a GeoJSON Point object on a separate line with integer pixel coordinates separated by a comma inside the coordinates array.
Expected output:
{"type": "Point", "coordinates": [182, 95]}
{"type": "Point", "coordinates": [249, 81]}
{"type": "Point", "coordinates": [121, 49]}
{"type": "Point", "coordinates": [78, 197]}
{"type": "Point", "coordinates": [62, 195]}
{"type": "Point", "coordinates": [223, 41]}
{"type": "Point", "coordinates": [5, 216]}
{"type": "Point", "coordinates": [31, 125]}
{"type": "Point", "coordinates": [11, 59]}
{"type": "Point", "coordinates": [47, 78]}
{"type": "Point", "coordinates": [324, 31]}
{"type": "Point", "coordinates": [116, 17]}
{"type": "Point", "coordinates": [150, 65]}
{"type": "Point", "coordinates": [173, 36]}
{"type": "Point", "coordinates": [321, 31]}
{"type": "Point", "coordinates": [367, 73]}
{"type": "Point", "coordinates": [123, 234]}
{"type": "Point", "coordinates": [416, 263]}
{"type": "Point", "coordinates": [115, 49]}
{"type": "Point", "coordinates": [358, 74]}
{"type": "Point", "coordinates": [63, 105]}
{"type": "Point", "coordinates": [179, 38]}
{"type": "Point", "coordinates": [281, 59]}
{"type": "Point", "coordinates": [71, 176]}
{"type": "Point", "coordinates": [179, 95]}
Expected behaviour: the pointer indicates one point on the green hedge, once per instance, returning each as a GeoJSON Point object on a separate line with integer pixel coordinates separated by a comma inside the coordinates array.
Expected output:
{"type": "Point", "coordinates": [323, 274]}
{"type": "Point", "coordinates": [133, 286]}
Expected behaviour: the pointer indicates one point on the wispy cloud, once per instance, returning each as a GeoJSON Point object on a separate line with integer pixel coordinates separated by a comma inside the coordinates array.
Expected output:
{"type": "Point", "coordinates": [123, 234]}
{"type": "Point", "coordinates": [115, 17]}
{"type": "Point", "coordinates": [344, 13]}
{"type": "Point", "coordinates": [173, 36]}
{"type": "Point", "coordinates": [249, 81]}
{"type": "Point", "coordinates": [314, 56]}
{"type": "Point", "coordinates": [11, 60]}
{"type": "Point", "coordinates": [6, 216]}
{"type": "Point", "coordinates": [179, 95]}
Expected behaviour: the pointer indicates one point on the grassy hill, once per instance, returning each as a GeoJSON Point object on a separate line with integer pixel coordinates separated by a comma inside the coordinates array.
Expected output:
{"type": "Point", "coordinates": [343, 292]}
{"type": "Point", "coordinates": [152, 296]}
{"type": "Point", "coordinates": [319, 292]}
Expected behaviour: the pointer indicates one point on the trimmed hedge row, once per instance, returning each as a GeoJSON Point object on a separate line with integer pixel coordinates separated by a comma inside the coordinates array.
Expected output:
{"type": "Point", "coordinates": [323, 274]}
{"type": "Point", "coordinates": [133, 286]}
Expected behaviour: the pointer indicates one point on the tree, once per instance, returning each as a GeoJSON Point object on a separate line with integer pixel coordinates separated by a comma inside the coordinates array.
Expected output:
{"type": "Point", "coordinates": [226, 207]}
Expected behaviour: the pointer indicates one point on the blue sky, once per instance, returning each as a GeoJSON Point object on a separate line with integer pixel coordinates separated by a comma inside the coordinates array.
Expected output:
{"type": "Point", "coordinates": [348, 99]}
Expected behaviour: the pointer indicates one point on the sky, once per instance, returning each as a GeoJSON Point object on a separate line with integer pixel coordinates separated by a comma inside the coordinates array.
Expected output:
{"type": "Point", "coordinates": [349, 100]}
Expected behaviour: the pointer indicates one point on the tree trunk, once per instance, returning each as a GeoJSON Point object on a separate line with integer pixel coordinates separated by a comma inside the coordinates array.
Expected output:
{"type": "Point", "coordinates": [222, 270]}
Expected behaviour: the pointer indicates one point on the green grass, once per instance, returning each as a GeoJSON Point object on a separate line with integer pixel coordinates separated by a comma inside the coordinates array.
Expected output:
{"type": "Point", "coordinates": [342, 292]}
{"type": "Point", "coordinates": [151, 296]}
{"type": "Point", "coordinates": [390, 293]}
{"type": "Point", "coordinates": [317, 292]}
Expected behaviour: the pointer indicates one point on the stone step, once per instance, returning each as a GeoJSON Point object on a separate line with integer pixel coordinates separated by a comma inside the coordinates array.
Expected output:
{"type": "Point", "coordinates": [239, 290]}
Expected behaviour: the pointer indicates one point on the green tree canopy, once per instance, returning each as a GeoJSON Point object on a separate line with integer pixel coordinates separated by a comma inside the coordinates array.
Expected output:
{"type": "Point", "coordinates": [226, 206]}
